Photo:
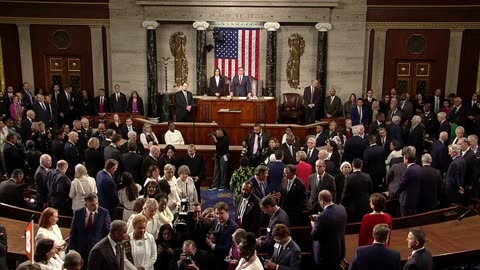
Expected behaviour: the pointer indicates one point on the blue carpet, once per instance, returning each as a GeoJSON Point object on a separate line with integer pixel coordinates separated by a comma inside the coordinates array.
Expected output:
{"type": "Point", "coordinates": [211, 197]}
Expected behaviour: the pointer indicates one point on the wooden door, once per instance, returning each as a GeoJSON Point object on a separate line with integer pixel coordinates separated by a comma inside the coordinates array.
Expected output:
{"type": "Point", "coordinates": [413, 77]}
{"type": "Point", "coordinates": [64, 71]}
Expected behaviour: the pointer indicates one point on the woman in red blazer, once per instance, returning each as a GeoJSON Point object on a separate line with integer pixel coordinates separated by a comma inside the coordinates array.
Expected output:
{"type": "Point", "coordinates": [377, 203]}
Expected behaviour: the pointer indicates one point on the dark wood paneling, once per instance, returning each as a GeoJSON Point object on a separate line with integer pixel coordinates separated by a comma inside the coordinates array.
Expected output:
{"type": "Point", "coordinates": [421, 14]}
{"type": "Point", "coordinates": [467, 75]}
{"type": "Point", "coordinates": [11, 55]}
{"type": "Point", "coordinates": [54, 10]}
{"type": "Point", "coordinates": [422, 2]}
{"type": "Point", "coordinates": [41, 36]}
{"type": "Point", "coordinates": [436, 51]}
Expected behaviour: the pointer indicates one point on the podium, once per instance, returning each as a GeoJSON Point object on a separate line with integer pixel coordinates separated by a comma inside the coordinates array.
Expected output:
{"type": "Point", "coordinates": [229, 117]}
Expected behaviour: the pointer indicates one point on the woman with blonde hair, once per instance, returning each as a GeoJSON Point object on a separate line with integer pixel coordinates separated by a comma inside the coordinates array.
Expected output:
{"type": "Point", "coordinates": [81, 185]}
{"type": "Point", "coordinates": [174, 196]}
{"type": "Point", "coordinates": [94, 158]}
{"type": "Point", "coordinates": [148, 136]}
{"type": "Point", "coordinates": [150, 212]}
{"type": "Point", "coordinates": [48, 229]}
{"type": "Point", "coordinates": [143, 252]}
{"type": "Point", "coordinates": [186, 185]}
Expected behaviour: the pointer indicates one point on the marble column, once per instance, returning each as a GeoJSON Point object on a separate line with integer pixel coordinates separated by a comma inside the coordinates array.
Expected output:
{"type": "Point", "coordinates": [271, 63]}
{"type": "Point", "coordinates": [152, 77]}
{"type": "Point", "coordinates": [378, 62]}
{"type": "Point", "coordinates": [26, 54]}
{"type": "Point", "coordinates": [322, 53]}
{"type": "Point", "coordinates": [378, 93]}
{"type": "Point", "coordinates": [108, 80]}
{"type": "Point", "coordinates": [97, 57]}
{"type": "Point", "coordinates": [201, 27]}
{"type": "Point", "coordinates": [453, 65]}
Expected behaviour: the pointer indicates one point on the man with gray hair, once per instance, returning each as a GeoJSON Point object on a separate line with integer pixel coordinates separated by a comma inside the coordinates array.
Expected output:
{"type": "Point", "coordinates": [89, 225]}
{"type": "Point", "coordinates": [73, 261]}
{"type": "Point", "coordinates": [455, 178]}
{"type": "Point", "coordinates": [71, 153]}
{"type": "Point", "coordinates": [58, 185]}
{"type": "Point", "coordinates": [101, 255]}
{"type": "Point", "coordinates": [471, 167]}
{"type": "Point", "coordinates": [151, 159]}
{"type": "Point", "coordinates": [395, 130]}
{"type": "Point", "coordinates": [354, 147]}
{"type": "Point", "coordinates": [430, 185]}
{"type": "Point", "coordinates": [416, 134]}
{"type": "Point", "coordinates": [444, 124]}
{"type": "Point", "coordinates": [132, 138]}
{"type": "Point", "coordinates": [40, 179]}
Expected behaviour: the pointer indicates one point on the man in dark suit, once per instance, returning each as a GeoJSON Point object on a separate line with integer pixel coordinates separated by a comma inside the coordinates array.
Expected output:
{"type": "Point", "coordinates": [455, 178]}
{"type": "Point", "coordinates": [8, 98]}
{"type": "Point", "coordinates": [109, 253]}
{"type": "Point", "coordinates": [199, 257]}
{"type": "Point", "coordinates": [437, 101]}
{"type": "Point", "coordinates": [287, 254]}
{"type": "Point", "coordinates": [458, 114]}
{"type": "Point", "coordinates": [40, 180]}
{"type": "Point", "coordinates": [320, 136]}
{"type": "Point", "coordinates": [312, 98]}
{"type": "Point", "coordinates": [221, 240]}
{"type": "Point", "coordinates": [111, 151]}
{"type": "Point", "coordinates": [40, 109]}
{"type": "Point", "coordinates": [277, 216]}
{"type": "Point", "coordinates": [429, 121]}
{"type": "Point", "coordinates": [254, 143]}
{"type": "Point", "coordinates": [359, 114]}
{"type": "Point", "coordinates": [259, 181]}
{"type": "Point", "coordinates": [27, 99]}
{"type": "Point", "coordinates": [105, 185]}
{"type": "Point", "coordinates": [290, 149]}
{"type": "Point", "coordinates": [127, 128]}
{"type": "Point", "coordinates": [183, 104]}
{"type": "Point", "coordinates": [132, 161]}
{"type": "Point", "coordinates": [132, 138]}
{"type": "Point", "coordinates": [471, 178]}
{"type": "Point", "coordinates": [415, 136]}
{"type": "Point", "coordinates": [101, 103]}
{"type": "Point", "coordinates": [240, 85]}
{"type": "Point", "coordinates": [118, 101]}
{"type": "Point", "coordinates": [374, 163]}
{"type": "Point", "coordinates": [26, 126]}
{"type": "Point", "coordinates": [13, 156]}
{"type": "Point", "coordinates": [58, 185]}
{"type": "Point", "coordinates": [409, 187]}
{"type": "Point", "coordinates": [374, 127]}
{"type": "Point", "coordinates": [292, 193]}
{"type": "Point", "coordinates": [90, 224]}
{"type": "Point", "coordinates": [440, 158]}
{"type": "Point", "coordinates": [421, 257]}
{"type": "Point", "coordinates": [430, 185]}
{"type": "Point", "coordinates": [328, 233]}
{"type": "Point", "coordinates": [311, 151]}
{"type": "Point", "coordinates": [444, 124]}
{"type": "Point", "coordinates": [384, 140]}
{"type": "Point", "coordinates": [394, 130]}
{"type": "Point", "coordinates": [52, 115]}
{"type": "Point", "coordinates": [151, 159]}
{"type": "Point", "coordinates": [317, 182]}
{"type": "Point", "coordinates": [85, 104]}
{"type": "Point", "coordinates": [377, 256]}
{"type": "Point", "coordinates": [333, 105]}
{"type": "Point", "coordinates": [356, 192]}
{"type": "Point", "coordinates": [406, 106]}
{"type": "Point", "coordinates": [66, 107]}
{"type": "Point", "coordinates": [71, 153]}
{"type": "Point", "coordinates": [11, 190]}
{"type": "Point", "coordinates": [394, 110]}
{"type": "Point", "coordinates": [196, 164]}
{"type": "Point", "coordinates": [354, 147]}
{"type": "Point", "coordinates": [247, 210]}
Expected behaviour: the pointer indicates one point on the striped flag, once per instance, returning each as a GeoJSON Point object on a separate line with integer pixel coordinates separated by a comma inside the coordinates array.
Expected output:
{"type": "Point", "coordinates": [241, 48]}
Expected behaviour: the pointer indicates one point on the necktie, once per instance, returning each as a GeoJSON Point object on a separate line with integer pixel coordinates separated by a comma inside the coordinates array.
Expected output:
{"type": "Point", "coordinates": [90, 222]}
{"type": "Point", "coordinates": [309, 154]}
{"type": "Point", "coordinates": [437, 104]}
{"type": "Point", "coordinates": [280, 250]}
{"type": "Point", "coordinates": [118, 255]}
{"type": "Point", "coordinates": [68, 97]}
{"type": "Point", "coordinates": [289, 185]}
{"type": "Point", "coordinates": [255, 145]}
{"type": "Point", "coordinates": [319, 181]}
{"type": "Point", "coordinates": [262, 188]}
{"type": "Point", "coordinates": [117, 97]}
{"type": "Point", "coordinates": [383, 141]}
{"type": "Point", "coordinates": [186, 98]}
{"type": "Point", "coordinates": [291, 150]}
{"type": "Point", "coordinates": [331, 100]}
{"type": "Point", "coordinates": [218, 228]}
{"type": "Point", "coordinates": [360, 113]}
{"type": "Point", "coordinates": [242, 208]}
{"type": "Point", "coordinates": [311, 96]}
{"type": "Point", "coordinates": [241, 77]}
{"type": "Point", "coordinates": [129, 128]}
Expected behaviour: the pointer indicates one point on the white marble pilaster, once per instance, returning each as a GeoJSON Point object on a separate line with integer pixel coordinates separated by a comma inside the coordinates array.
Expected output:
{"type": "Point", "coordinates": [26, 54]}
{"type": "Point", "coordinates": [378, 63]}
{"type": "Point", "coordinates": [378, 92]}
{"type": "Point", "coordinates": [271, 26]}
{"type": "Point", "coordinates": [97, 57]}
{"type": "Point", "coordinates": [453, 65]}
{"type": "Point", "coordinates": [323, 27]}
{"type": "Point", "coordinates": [108, 82]}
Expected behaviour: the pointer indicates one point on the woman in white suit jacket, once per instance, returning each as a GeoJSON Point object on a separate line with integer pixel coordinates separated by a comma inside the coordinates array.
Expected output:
{"type": "Point", "coordinates": [81, 186]}
{"type": "Point", "coordinates": [142, 251]}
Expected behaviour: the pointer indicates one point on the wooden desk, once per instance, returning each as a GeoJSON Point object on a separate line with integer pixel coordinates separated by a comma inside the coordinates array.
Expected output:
{"type": "Point", "coordinates": [108, 118]}
{"type": "Point", "coordinates": [443, 239]}
{"type": "Point", "coordinates": [229, 117]}
{"type": "Point", "coordinates": [260, 110]}
{"type": "Point", "coordinates": [16, 231]}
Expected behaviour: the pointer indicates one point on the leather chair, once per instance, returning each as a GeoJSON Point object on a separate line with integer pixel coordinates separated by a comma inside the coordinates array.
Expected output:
{"type": "Point", "coordinates": [291, 109]}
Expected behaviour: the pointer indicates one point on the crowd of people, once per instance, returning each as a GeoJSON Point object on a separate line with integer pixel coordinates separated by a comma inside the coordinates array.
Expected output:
{"type": "Point", "coordinates": [88, 173]}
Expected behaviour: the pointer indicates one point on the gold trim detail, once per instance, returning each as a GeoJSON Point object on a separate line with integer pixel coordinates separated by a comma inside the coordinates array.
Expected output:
{"type": "Point", "coordinates": [52, 2]}
{"type": "Point", "coordinates": [2, 71]}
{"type": "Point", "coordinates": [423, 25]}
{"type": "Point", "coordinates": [421, 6]}
{"type": "Point", "coordinates": [55, 21]}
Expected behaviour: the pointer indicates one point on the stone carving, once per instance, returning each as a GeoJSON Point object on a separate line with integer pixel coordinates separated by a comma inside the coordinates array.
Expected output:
{"type": "Point", "coordinates": [178, 41]}
{"type": "Point", "coordinates": [297, 46]}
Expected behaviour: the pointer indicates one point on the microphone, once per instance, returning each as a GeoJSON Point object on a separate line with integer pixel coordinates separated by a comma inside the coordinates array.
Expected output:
{"type": "Point", "coordinates": [460, 218]}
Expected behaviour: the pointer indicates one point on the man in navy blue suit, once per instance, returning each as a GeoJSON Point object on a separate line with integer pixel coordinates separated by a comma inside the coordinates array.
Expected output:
{"type": "Point", "coordinates": [455, 177]}
{"type": "Point", "coordinates": [409, 187]}
{"type": "Point", "coordinates": [107, 189]}
{"type": "Point", "coordinates": [440, 158]}
{"type": "Point", "coordinates": [287, 254]}
{"type": "Point", "coordinates": [374, 163]}
{"type": "Point", "coordinates": [221, 240]}
{"type": "Point", "coordinates": [240, 86]}
{"type": "Point", "coordinates": [359, 114]}
{"type": "Point", "coordinates": [421, 257]}
{"type": "Point", "coordinates": [377, 256]}
{"type": "Point", "coordinates": [118, 101]}
{"type": "Point", "coordinates": [89, 225]}
{"type": "Point", "coordinates": [328, 233]}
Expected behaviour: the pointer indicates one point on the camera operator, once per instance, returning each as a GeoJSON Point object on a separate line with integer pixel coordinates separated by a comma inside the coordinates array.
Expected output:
{"type": "Point", "coordinates": [189, 258]}
{"type": "Point", "coordinates": [222, 143]}
{"type": "Point", "coordinates": [254, 143]}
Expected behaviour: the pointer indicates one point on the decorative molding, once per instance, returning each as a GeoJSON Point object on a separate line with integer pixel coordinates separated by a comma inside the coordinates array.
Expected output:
{"type": "Point", "coordinates": [201, 25]}
{"type": "Point", "coordinates": [235, 24]}
{"type": "Point", "coordinates": [422, 6]}
{"type": "Point", "coordinates": [244, 3]}
{"type": "Point", "coordinates": [54, 21]}
{"type": "Point", "coordinates": [323, 27]}
{"type": "Point", "coordinates": [150, 25]}
{"type": "Point", "coordinates": [423, 25]}
{"type": "Point", "coordinates": [271, 26]}
{"type": "Point", "coordinates": [54, 2]}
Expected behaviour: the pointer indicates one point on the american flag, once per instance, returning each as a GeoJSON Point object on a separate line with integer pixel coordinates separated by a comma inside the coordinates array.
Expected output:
{"type": "Point", "coordinates": [241, 48]}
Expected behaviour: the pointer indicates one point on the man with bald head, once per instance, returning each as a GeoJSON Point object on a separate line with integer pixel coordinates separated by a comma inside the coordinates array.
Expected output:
{"type": "Point", "coordinates": [71, 153]}
{"type": "Point", "coordinates": [333, 105]}
{"type": "Point", "coordinates": [329, 165]}
{"type": "Point", "coordinates": [26, 126]}
{"type": "Point", "coordinates": [320, 180]}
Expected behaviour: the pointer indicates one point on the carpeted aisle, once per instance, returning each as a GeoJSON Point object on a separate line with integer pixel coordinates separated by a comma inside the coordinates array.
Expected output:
{"type": "Point", "coordinates": [211, 197]}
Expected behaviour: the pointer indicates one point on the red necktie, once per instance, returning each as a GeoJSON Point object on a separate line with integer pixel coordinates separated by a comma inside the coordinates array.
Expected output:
{"type": "Point", "coordinates": [241, 79]}
{"type": "Point", "coordinates": [90, 222]}
{"type": "Point", "coordinates": [101, 104]}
